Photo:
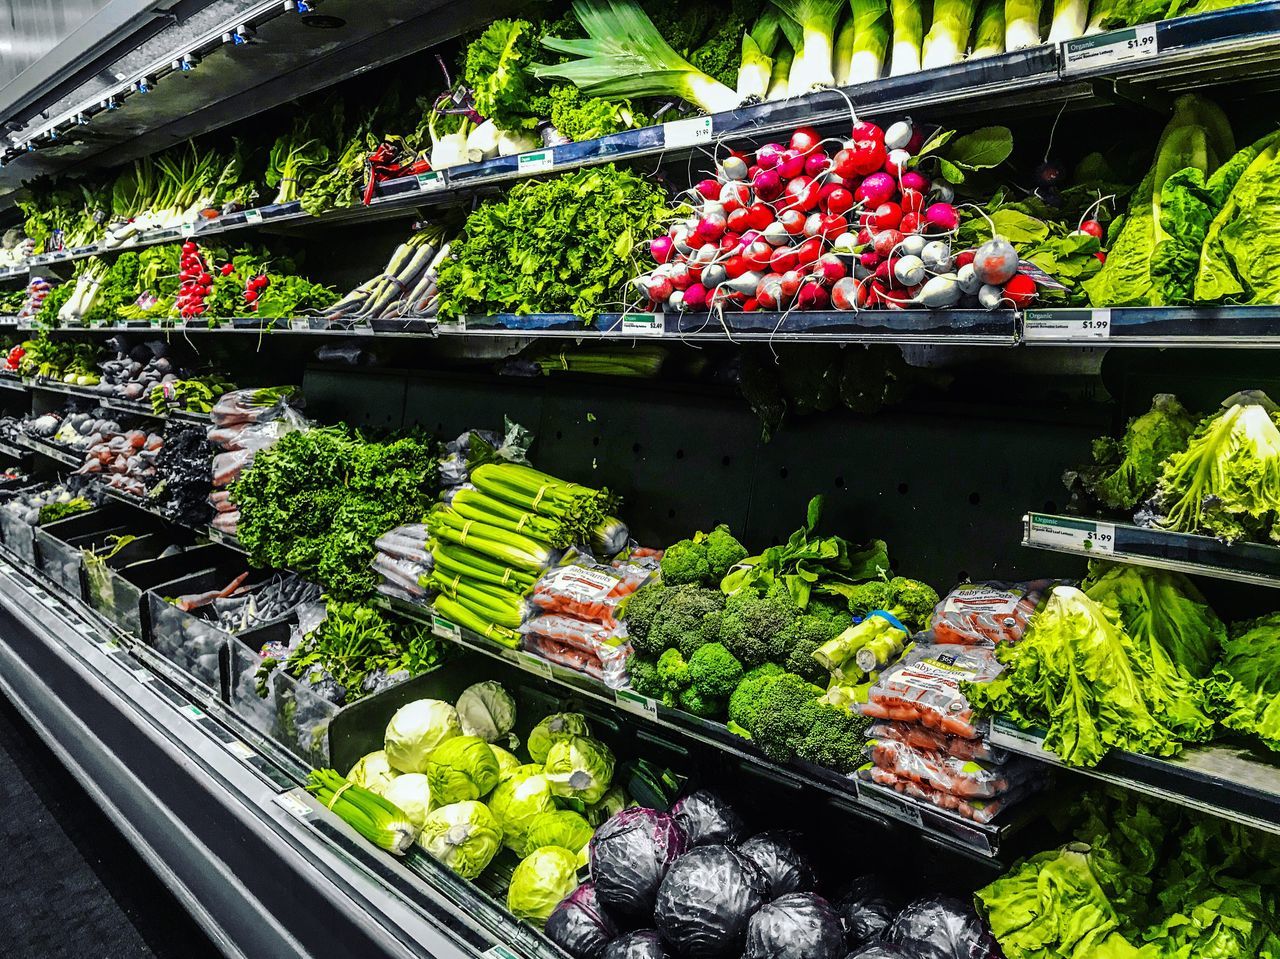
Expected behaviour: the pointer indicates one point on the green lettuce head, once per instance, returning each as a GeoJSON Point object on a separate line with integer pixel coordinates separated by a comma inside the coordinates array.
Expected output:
{"type": "Point", "coordinates": [517, 802]}
{"type": "Point", "coordinates": [463, 767]}
{"type": "Point", "coordinates": [507, 763]}
{"type": "Point", "coordinates": [416, 730]}
{"type": "Point", "coordinates": [580, 768]}
{"type": "Point", "coordinates": [373, 772]}
{"type": "Point", "coordinates": [564, 827]}
{"type": "Point", "coordinates": [554, 728]}
{"type": "Point", "coordinates": [463, 836]}
{"type": "Point", "coordinates": [488, 711]}
{"type": "Point", "coordinates": [412, 793]}
{"type": "Point", "coordinates": [543, 878]}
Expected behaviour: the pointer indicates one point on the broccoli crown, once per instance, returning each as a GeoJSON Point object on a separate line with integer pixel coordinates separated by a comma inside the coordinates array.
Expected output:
{"type": "Point", "coordinates": [643, 674]}
{"type": "Point", "coordinates": [788, 708]}
{"type": "Point", "coordinates": [750, 623]}
{"type": "Point", "coordinates": [834, 738]}
{"type": "Point", "coordinates": [876, 594]}
{"type": "Point", "coordinates": [793, 646]}
{"type": "Point", "coordinates": [639, 610]}
{"type": "Point", "coordinates": [673, 671]}
{"type": "Point", "coordinates": [913, 601]}
{"type": "Point", "coordinates": [744, 702]}
{"type": "Point", "coordinates": [707, 632]}
{"type": "Point", "coordinates": [839, 617]}
{"type": "Point", "coordinates": [723, 551]}
{"type": "Point", "coordinates": [715, 671]}
{"type": "Point", "coordinates": [684, 621]}
{"type": "Point", "coordinates": [697, 702]}
{"type": "Point", "coordinates": [685, 561]}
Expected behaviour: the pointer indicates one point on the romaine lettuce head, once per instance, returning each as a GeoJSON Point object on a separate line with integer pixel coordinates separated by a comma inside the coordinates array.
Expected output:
{"type": "Point", "coordinates": [580, 768]}
{"type": "Point", "coordinates": [541, 881]}
{"type": "Point", "coordinates": [373, 772]}
{"type": "Point", "coordinates": [463, 836]}
{"type": "Point", "coordinates": [554, 728]}
{"type": "Point", "coordinates": [463, 767]}
{"type": "Point", "coordinates": [507, 763]}
{"type": "Point", "coordinates": [564, 827]}
{"type": "Point", "coordinates": [416, 730]}
{"type": "Point", "coordinates": [412, 793]}
{"type": "Point", "coordinates": [487, 710]}
{"type": "Point", "coordinates": [517, 802]}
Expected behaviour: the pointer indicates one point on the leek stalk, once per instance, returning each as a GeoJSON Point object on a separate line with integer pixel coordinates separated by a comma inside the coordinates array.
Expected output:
{"type": "Point", "coordinates": [948, 35]}
{"type": "Point", "coordinates": [845, 38]}
{"type": "Point", "coordinates": [779, 77]}
{"type": "Point", "coordinates": [988, 35]}
{"type": "Point", "coordinates": [379, 820]}
{"type": "Point", "coordinates": [871, 40]}
{"type": "Point", "coordinates": [758, 46]}
{"type": "Point", "coordinates": [908, 34]}
{"type": "Point", "coordinates": [1021, 24]}
{"type": "Point", "coordinates": [817, 19]}
{"type": "Point", "coordinates": [1070, 19]}
{"type": "Point", "coordinates": [1100, 16]}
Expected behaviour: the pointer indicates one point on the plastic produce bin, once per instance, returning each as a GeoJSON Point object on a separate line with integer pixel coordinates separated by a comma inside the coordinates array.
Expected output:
{"type": "Point", "coordinates": [115, 586]}
{"type": "Point", "coordinates": [59, 544]}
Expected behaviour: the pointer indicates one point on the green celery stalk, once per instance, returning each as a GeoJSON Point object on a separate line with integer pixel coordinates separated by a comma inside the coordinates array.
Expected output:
{"type": "Point", "coordinates": [476, 505]}
{"type": "Point", "coordinates": [460, 561]}
{"type": "Point", "coordinates": [500, 544]}
{"type": "Point", "coordinates": [497, 605]}
{"type": "Point", "coordinates": [379, 820]}
{"type": "Point", "coordinates": [460, 614]}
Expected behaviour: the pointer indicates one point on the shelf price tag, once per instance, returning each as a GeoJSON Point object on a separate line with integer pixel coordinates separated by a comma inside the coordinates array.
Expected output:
{"type": "Point", "coordinates": [1067, 325]}
{"type": "Point", "coordinates": [1074, 535]}
{"type": "Point", "coordinates": [431, 180]}
{"type": "Point", "coordinates": [293, 805]}
{"type": "Point", "coordinates": [693, 132]}
{"type": "Point", "coordinates": [536, 162]}
{"type": "Point", "coordinates": [643, 324]}
{"type": "Point", "coordinates": [892, 808]}
{"type": "Point", "coordinates": [253, 216]}
{"type": "Point", "coordinates": [444, 629]}
{"type": "Point", "coordinates": [1005, 735]}
{"type": "Point", "coordinates": [633, 702]}
{"type": "Point", "coordinates": [1105, 49]}
{"type": "Point", "coordinates": [500, 952]}
{"type": "Point", "coordinates": [299, 324]}
{"type": "Point", "coordinates": [239, 750]}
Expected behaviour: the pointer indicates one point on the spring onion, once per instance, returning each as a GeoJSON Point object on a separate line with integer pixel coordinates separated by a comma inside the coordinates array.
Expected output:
{"type": "Point", "coordinates": [381, 822]}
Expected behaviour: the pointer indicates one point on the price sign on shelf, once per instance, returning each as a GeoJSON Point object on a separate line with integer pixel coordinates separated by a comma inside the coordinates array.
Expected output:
{"type": "Point", "coordinates": [643, 324]}
{"type": "Point", "coordinates": [1076, 535]}
{"type": "Point", "coordinates": [1106, 49]}
{"type": "Point", "coordinates": [635, 703]}
{"type": "Point", "coordinates": [253, 216]}
{"type": "Point", "coordinates": [893, 808]}
{"type": "Point", "coordinates": [431, 180]}
{"type": "Point", "coordinates": [1067, 325]}
{"type": "Point", "coordinates": [694, 132]}
{"type": "Point", "coordinates": [538, 161]}
{"type": "Point", "coordinates": [293, 805]}
{"type": "Point", "coordinates": [444, 629]}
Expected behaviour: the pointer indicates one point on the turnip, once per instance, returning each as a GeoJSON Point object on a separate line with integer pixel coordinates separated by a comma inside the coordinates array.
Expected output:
{"type": "Point", "coordinates": [995, 261]}
{"type": "Point", "coordinates": [769, 155]}
{"type": "Point", "coordinates": [895, 164]}
{"type": "Point", "coordinates": [968, 280]}
{"type": "Point", "coordinates": [912, 244]}
{"type": "Point", "coordinates": [909, 270]}
{"type": "Point", "coordinates": [898, 135]}
{"type": "Point", "coordinates": [940, 292]}
{"type": "Point", "coordinates": [990, 296]}
{"type": "Point", "coordinates": [777, 234]}
{"type": "Point", "coordinates": [937, 256]}
{"type": "Point", "coordinates": [768, 185]}
{"type": "Point", "coordinates": [733, 168]}
{"type": "Point", "coordinates": [877, 188]}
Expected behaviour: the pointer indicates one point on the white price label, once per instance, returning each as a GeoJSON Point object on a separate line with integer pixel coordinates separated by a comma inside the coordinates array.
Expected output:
{"type": "Point", "coordinates": [253, 216]}
{"type": "Point", "coordinates": [635, 703]}
{"type": "Point", "coordinates": [500, 952]}
{"type": "Point", "coordinates": [109, 648]}
{"type": "Point", "coordinates": [536, 162]}
{"type": "Point", "coordinates": [1076, 535]}
{"type": "Point", "coordinates": [239, 750]}
{"type": "Point", "coordinates": [297, 324]}
{"type": "Point", "coordinates": [533, 664]}
{"type": "Point", "coordinates": [142, 675]}
{"type": "Point", "coordinates": [189, 230]}
{"type": "Point", "coordinates": [194, 711]}
{"type": "Point", "coordinates": [1067, 325]}
{"type": "Point", "coordinates": [643, 324]}
{"type": "Point", "coordinates": [293, 805]}
{"type": "Point", "coordinates": [432, 180]}
{"type": "Point", "coordinates": [444, 629]}
{"type": "Point", "coordinates": [1105, 49]}
{"type": "Point", "coordinates": [1005, 735]}
{"type": "Point", "coordinates": [893, 808]}
{"type": "Point", "coordinates": [693, 132]}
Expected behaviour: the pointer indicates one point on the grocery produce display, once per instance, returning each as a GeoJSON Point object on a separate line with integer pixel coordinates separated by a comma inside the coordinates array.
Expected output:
{"type": "Point", "coordinates": [557, 488]}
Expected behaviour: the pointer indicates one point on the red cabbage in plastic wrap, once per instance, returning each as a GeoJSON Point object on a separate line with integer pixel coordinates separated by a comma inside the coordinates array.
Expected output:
{"type": "Point", "coordinates": [866, 910]}
{"type": "Point", "coordinates": [941, 928]}
{"type": "Point", "coordinates": [630, 855]}
{"type": "Point", "coordinates": [645, 944]}
{"type": "Point", "coordinates": [708, 820]}
{"type": "Point", "coordinates": [778, 856]}
{"type": "Point", "coordinates": [801, 925]}
{"type": "Point", "coordinates": [580, 926]}
{"type": "Point", "coordinates": [706, 900]}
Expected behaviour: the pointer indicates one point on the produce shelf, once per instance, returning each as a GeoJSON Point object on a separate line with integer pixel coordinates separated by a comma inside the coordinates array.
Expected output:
{"type": "Point", "coordinates": [1224, 779]}
{"type": "Point", "coordinates": [13, 450]}
{"type": "Point", "coordinates": [63, 455]}
{"type": "Point", "coordinates": [1255, 563]}
{"type": "Point", "coordinates": [1241, 327]}
{"type": "Point", "coordinates": [132, 407]}
{"type": "Point", "coordinates": [884, 806]}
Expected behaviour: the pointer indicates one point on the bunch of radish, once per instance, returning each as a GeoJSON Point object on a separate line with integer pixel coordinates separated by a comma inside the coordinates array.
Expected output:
{"type": "Point", "coordinates": [195, 282]}
{"type": "Point", "coordinates": [794, 227]}
{"type": "Point", "coordinates": [253, 288]}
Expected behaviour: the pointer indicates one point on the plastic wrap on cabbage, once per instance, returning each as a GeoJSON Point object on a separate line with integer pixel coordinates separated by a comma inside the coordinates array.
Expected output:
{"type": "Point", "coordinates": [706, 900]}
{"type": "Point", "coordinates": [779, 859]}
{"type": "Point", "coordinates": [642, 944]}
{"type": "Point", "coordinates": [866, 910]}
{"type": "Point", "coordinates": [541, 881]}
{"type": "Point", "coordinates": [552, 729]}
{"type": "Point", "coordinates": [462, 767]}
{"type": "Point", "coordinates": [580, 768]}
{"type": "Point", "coordinates": [941, 928]}
{"type": "Point", "coordinates": [877, 950]}
{"type": "Point", "coordinates": [580, 925]}
{"type": "Point", "coordinates": [630, 855]}
{"type": "Point", "coordinates": [800, 925]}
{"type": "Point", "coordinates": [708, 820]}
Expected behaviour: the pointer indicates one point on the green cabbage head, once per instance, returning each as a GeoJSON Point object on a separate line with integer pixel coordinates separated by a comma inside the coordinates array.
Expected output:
{"type": "Point", "coordinates": [463, 767]}
{"type": "Point", "coordinates": [412, 793]}
{"type": "Point", "coordinates": [488, 711]}
{"type": "Point", "coordinates": [554, 728]}
{"type": "Point", "coordinates": [373, 772]}
{"type": "Point", "coordinates": [415, 731]}
{"type": "Point", "coordinates": [507, 763]}
{"type": "Point", "coordinates": [541, 881]}
{"type": "Point", "coordinates": [580, 768]}
{"type": "Point", "coordinates": [463, 836]}
{"type": "Point", "coordinates": [517, 801]}
{"type": "Point", "coordinates": [564, 827]}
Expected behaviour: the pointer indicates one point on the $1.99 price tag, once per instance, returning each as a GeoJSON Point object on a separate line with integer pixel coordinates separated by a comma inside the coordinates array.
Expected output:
{"type": "Point", "coordinates": [693, 132]}
{"type": "Point", "coordinates": [1058, 326]}
{"type": "Point", "coordinates": [1106, 49]}
{"type": "Point", "coordinates": [1076, 535]}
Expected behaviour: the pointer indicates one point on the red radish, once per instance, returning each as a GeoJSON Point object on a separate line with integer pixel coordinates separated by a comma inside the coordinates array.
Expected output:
{"type": "Point", "coordinates": [188, 247]}
{"type": "Point", "coordinates": [895, 163]}
{"type": "Point", "coordinates": [769, 292]}
{"type": "Point", "coordinates": [761, 214]}
{"type": "Point", "coordinates": [869, 260]}
{"type": "Point", "coordinates": [659, 288]}
{"type": "Point", "coordinates": [963, 258]}
{"type": "Point", "coordinates": [912, 201]}
{"type": "Point", "coordinates": [735, 266]}
{"type": "Point", "coordinates": [710, 189]}
{"type": "Point", "coordinates": [887, 216]}
{"type": "Point", "coordinates": [791, 165]}
{"type": "Point", "coordinates": [844, 164]}
{"type": "Point", "coordinates": [877, 188]}
{"type": "Point", "coordinates": [227, 269]}
{"type": "Point", "coordinates": [802, 193]}
{"type": "Point", "coordinates": [250, 295]}
{"type": "Point", "coordinates": [895, 299]}
{"type": "Point", "coordinates": [790, 284]}
{"type": "Point", "coordinates": [784, 258]}
{"type": "Point", "coordinates": [730, 242]}
{"type": "Point", "coordinates": [864, 236]}
{"type": "Point", "coordinates": [767, 156]}
{"type": "Point", "coordinates": [916, 141]}
{"type": "Point", "coordinates": [1020, 291]}
{"type": "Point", "coordinates": [809, 251]}
{"type": "Point", "coordinates": [735, 196]}
{"type": "Point", "coordinates": [813, 224]}
{"type": "Point", "coordinates": [865, 130]}
{"type": "Point", "coordinates": [830, 268]}
{"type": "Point", "coordinates": [1101, 256]}
{"type": "Point", "coordinates": [750, 305]}
{"type": "Point", "coordinates": [695, 297]}
{"type": "Point", "coordinates": [711, 227]}
{"type": "Point", "coordinates": [681, 276]}
{"type": "Point", "coordinates": [768, 184]}
{"type": "Point", "coordinates": [805, 139]}
{"type": "Point", "coordinates": [1092, 227]}
{"type": "Point", "coordinates": [816, 163]}
{"type": "Point", "coordinates": [812, 297]}
{"type": "Point", "coordinates": [868, 157]}
{"type": "Point", "coordinates": [838, 200]}
{"type": "Point", "coordinates": [792, 221]}
{"type": "Point", "coordinates": [832, 225]}
{"type": "Point", "coordinates": [848, 294]}
{"type": "Point", "coordinates": [910, 223]}
{"type": "Point", "coordinates": [885, 241]}
{"type": "Point", "coordinates": [738, 220]}
{"type": "Point", "coordinates": [941, 216]}
{"type": "Point", "coordinates": [757, 255]}
{"type": "Point", "coordinates": [911, 180]}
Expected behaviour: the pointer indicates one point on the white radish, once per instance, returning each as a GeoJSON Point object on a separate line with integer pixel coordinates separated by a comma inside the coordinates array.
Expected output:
{"type": "Point", "coordinates": [939, 293]}
{"type": "Point", "coordinates": [990, 297]}
{"type": "Point", "coordinates": [909, 270]}
{"type": "Point", "coordinates": [968, 280]}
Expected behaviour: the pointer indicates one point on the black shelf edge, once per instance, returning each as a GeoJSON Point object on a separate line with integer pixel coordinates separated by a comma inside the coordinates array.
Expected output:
{"type": "Point", "coordinates": [1240, 327]}
{"type": "Point", "coordinates": [1090, 537]}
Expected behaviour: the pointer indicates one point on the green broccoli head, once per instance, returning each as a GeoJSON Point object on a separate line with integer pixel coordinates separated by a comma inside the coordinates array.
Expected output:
{"type": "Point", "coordinates": [723, 552]}
{"type": "Point", "coordinates": [744, 702]}
{"type": "Point", "coordinates": [697, 702]}
{"type": "Point", "coordinates": [788, 708]}
{"type": "Point", "coordinates": [685, 620]}
{"type": "Point", "coordinates": [834, 739]}
{"type": "Point", "coordinates": [838, 617]}
{"type": "Point", "coordinates": [913, 601]}
{"type": "Point", "coordinates": [750, 623]}
{"type": "Point", "coordinates": [638, 613]}
{"type": "Point", "coordinates": [673, 671]}
{"type": "Point", "coordinates": [793, 646]}
{"type": "Point", "coordinates": [685, 562]}
{"type": "Point", "coordinates": [643, 674]}
{"type": "Point", "coordinates": [708, 632]}
{"type": "Point", "coordinates": [876, 594]}
{"type": "Point", "coordinates": [714, 671]}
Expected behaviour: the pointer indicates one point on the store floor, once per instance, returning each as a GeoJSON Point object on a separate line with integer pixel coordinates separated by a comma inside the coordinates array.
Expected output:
{"type": "Point", "coordinates": [70, 885]}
